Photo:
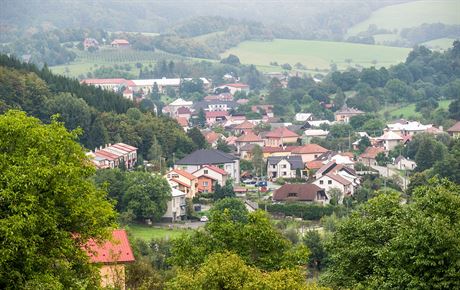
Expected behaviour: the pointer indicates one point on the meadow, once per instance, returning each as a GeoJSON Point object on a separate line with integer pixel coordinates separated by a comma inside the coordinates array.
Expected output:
{"type": "Point", "coordinates": [147, 233]}
{"type": "Point", "coordinates": [439, 44]}
{"type": "Point", "coordinates": [408, 111]}
{"type": "Point", "coordinates": [411, 14]}
{"type": "Point", "coordinates": [316, 55]}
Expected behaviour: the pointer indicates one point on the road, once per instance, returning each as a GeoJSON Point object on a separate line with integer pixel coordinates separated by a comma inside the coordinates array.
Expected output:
{"type": "Point", "coordinates": [388, 172]}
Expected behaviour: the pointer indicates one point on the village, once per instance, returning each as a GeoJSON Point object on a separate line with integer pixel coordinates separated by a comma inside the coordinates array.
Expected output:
{"type": "Point", "coordinates": [290, 169]}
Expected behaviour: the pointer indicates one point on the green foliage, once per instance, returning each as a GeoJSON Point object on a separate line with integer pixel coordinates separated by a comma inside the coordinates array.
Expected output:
{"type": "Point", "coordinates": [45, 192]}
{"type": "Point", "coordinates": [257, 160]}
{"type": "Point", "coordinates": [224, 191]}
{"type": "Point", "coordinates": [227, 270]}
{"type": "Point", "coordinates": [146, 195]}
{"type": "Point", "coordinates": [386, 244]}
{"type": "Point", "coordinates": [312, 239]}
{"type": "Point", "coordinates": [301, 210]}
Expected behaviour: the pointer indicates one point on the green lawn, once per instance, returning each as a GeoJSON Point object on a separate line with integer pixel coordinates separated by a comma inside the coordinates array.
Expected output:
{"type": "Point", "coordinates": [439, 44]}
{"type": "Point", "coordinates": [316, 54]}
{"type": "Point", "coordinates": [147, 232]}
{"type": "Point", "coordinates": [411, 14]}
{"type": "Point", "coordinates": [408, 111]}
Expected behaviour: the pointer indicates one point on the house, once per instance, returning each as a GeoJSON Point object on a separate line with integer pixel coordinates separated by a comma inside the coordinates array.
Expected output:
{"type": "Point", "coordinates": [404, 128]}
{"type": "Point", "coordinates": [112, 255]}
{"type": "Point", "coordinates": [315, 124]}
{"type": "Point", "coordinates": [369, 156]}
{"type": "Point", "coordinates": [120, 43]}
{"type": "Point", "coordinates": [199, 158]}
{"type": "Point", "coordinates": [246, 139]}
{"type": "Point", "coordinates": [128, 94]}
{"type": "Point", "coordinates": [389, 140]}
{"type": "Point", "coordinates": [303, 117]}
{"type": "Point", "coordinates": [246, 151]}
{"type": "Point", "coordinates": [176, 208]}
{"type": "Point", "coordinates": [90, 42]}
{"type": "Point", "coordinates": [178, 104]}
{"type": "Point", "coordinates": [344, 114]}
{"type": "Point", "coordinates": [300, 192]}
{"type": "Point", "coordinates": [403, 163]}
{"type": "Point", "coordinates": [183, 122]}
{"type": "Point", "coordinates": [280, 136]}
{"type": "Point", "coordinates": [309, 134]}
{"type": "Point", "coordinates": [308, 152]}
{"type": "Point", "coordinates": [184, 112]}
{"type": "Point", "coordinates": [216, 117]}
{"type": "Point", "coordinates": [234, 88]}
{"type": "Point", "coordinates": [212, 137]}
{"type": "Point", "coordinates": [276, 151]}
{"type": "Point", "coordinates": [215, 105]}
{"type": "Point", "coordinates": [113, 85]}
{"type": "Point", "coordinates": [208, 176]}
{"type": "Point", "coordinates": [285, 167]}
{"type": "Point", "coordinates": [332, 180]}
{"type": "Point", "coordinates": [112, 156]}
{"type": "Point", "coordinates": [454, 131]}
{"type": "Point", "coordinates": [183, 181]}
{"type": "Point", "coordinates": [244, 128]}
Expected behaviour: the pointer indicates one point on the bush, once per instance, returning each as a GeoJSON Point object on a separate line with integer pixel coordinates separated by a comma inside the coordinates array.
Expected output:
{"type": "Point", "coordinates": [302, 210]}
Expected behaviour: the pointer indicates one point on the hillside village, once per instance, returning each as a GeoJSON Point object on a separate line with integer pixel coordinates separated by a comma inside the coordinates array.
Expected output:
{"type": "Point", "coordinates": [288, 156]}
{"type": "Point", "coordinates": [220, 145]}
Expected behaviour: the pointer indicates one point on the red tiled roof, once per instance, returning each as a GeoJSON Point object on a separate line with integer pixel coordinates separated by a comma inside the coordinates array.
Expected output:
{"type": "Point", "coordinates": [182, 121]}
{"type": "Point", "coordinates": [212, 137]}
{"type": "Point", "coordinates": [371, 152]}
{"type": "Point", "coordinates": [125, 147]}
{"type": "Point", "coordinates": [215, 114]}
{"type": "Point", "coordinates": [309, 149]}
{"type": "Point", "coordinates": [236, 85]}
{"type": "Point", "coordinates": [116, 250]}
{"type": "Point", "coordinates": [183, 110]}
{"type": "Point", "coordinates": [338, 178]}
{"type": "Point", "coordinates": [315, 164]}
{"type": "Point", "coordinates": [180, 182]}
{"type": "Point", "coordinates": [249, 138]}
{"type": "Point", "coordinates": [216, 169]}
{"type": "Point", "coordinates": [281, 132]}
{"type": "Point", "coordinates": [184, 173]}
{"type": "Point", "coordinates": [119, 41]}
{"type": "Point", "coordinates": [245, 125]}
{"type": "Point", "coordinates": [454, 128]}
{"type": "Point", "coordinates": [304, 192]}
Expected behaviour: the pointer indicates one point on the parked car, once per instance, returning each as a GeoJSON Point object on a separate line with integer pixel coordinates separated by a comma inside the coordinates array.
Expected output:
{"type": "Point", "coordinates": [249, 181]}
{"type": "Point", "coordinates": [262, 183]}
{"type": "Point", "coordinates": [204, 219]}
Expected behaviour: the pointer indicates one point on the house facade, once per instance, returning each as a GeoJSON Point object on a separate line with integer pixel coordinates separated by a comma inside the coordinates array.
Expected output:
{"type": "Point", "coordinates": [285, 167]}
{"type": "Point", "coordinates": [176, 209]}
{"type": "Point", "coordinates": [344, 114]}
{"type": "Point", "coordinates": [198, 159]}
{"type": "Point", "coordinates": [183, 181]}
{"type": "Point", "coordinates": [280, 136]}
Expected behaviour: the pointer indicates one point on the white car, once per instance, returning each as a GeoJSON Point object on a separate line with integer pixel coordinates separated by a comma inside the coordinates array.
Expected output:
{"type": "Point", "coordinates": [204, 219]}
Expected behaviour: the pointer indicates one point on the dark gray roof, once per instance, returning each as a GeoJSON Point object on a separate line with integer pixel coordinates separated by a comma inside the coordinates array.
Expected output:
{"type": "Point", "coordinates": [207, 156]}
{"type": "Point", "coordinates": [295, 161]}
{"type": "Point", "coordinates": [205, 104]}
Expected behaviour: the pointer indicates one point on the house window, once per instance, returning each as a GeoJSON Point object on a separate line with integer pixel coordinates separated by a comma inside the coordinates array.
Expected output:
{"type": "Point", "coordinates": [284, 173]}
{"type": "Point", "coordinates": [205, 183]}
{"type": "Point", "coordinates": [283, 166]}
{"type": "Point", "coordinates": [292, 194]}
{"type": "Point", "coordinates": [329, 182]}
{"type": "Point", "coordinates": [321, 182]}
{"type": "Point", "coordinates": [205, 171]}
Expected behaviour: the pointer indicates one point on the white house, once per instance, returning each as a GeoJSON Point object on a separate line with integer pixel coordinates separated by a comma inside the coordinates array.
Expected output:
{"type": "Point", "coordinates": [176, 210]}
{"type": "Point", "coordinates": [390, 140]}
{"type": "Point", "coordinates": [332, 180]}
{"type": "Point", "coordinates": [302, 117]}
{"type": "Point", "coordinates": [285, 166]}
{"type": "Point", "coordinates": [403, 163]}
{"type": "Point", "coordinates": [213, 172]}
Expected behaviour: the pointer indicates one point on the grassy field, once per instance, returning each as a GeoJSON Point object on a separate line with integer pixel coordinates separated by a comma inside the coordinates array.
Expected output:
{"type": "Point", "coordinates": [316, 54]}
{"type": "Point", "coordinates": [408, 111]}
{"type": "Point", "coordinates": [411, 14]}
{"type": "Point", "coordinates": [147, 233]}
{"type": "Point", "coordinates": [86, 61]}
{"type": "Point", "coordinates": [439, 44]}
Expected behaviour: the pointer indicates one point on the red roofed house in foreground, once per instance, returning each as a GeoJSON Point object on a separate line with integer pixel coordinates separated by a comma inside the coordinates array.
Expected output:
{"type": "Point", "coordinates": [112, 255]}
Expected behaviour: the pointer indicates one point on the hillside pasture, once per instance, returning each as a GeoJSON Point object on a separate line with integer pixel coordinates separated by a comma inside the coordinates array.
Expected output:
{"type": "Point", "coordinates": [411, 14]}
{"type": "Point", "coordinates": [407, 111]}
{"type": "Point", "coordinates": [316, 55]}
{"type": "Point", "coordinates": [439, 44]}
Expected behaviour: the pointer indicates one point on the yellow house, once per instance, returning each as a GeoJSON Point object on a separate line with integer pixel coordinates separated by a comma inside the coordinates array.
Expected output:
{"type": "Point", "coordinates": [454, 131]}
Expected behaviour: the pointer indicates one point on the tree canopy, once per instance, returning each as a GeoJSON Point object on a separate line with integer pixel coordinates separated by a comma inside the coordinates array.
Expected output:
{"type": "Point", "coordinates": [49, 208]}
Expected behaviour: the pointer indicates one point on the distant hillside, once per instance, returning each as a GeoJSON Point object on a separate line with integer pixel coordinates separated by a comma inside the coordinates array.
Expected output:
{"type": "Point", "coordinates": [319, 19]}
{"type": "Point", "coordinates": [411, 14]}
